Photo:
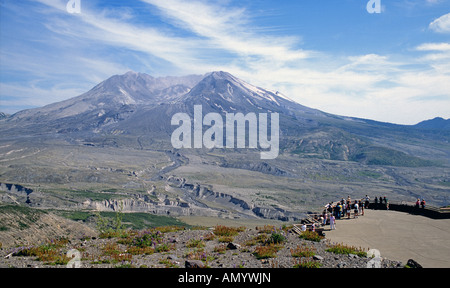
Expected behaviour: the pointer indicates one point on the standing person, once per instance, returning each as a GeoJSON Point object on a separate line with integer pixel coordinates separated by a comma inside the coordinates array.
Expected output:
{"type": "Point", "coordinates": [367, 201]}
{"type": "Point", "coordinates": [303, 227]}
{"type": "Point", "coordinates": [376, 203]}
{"type": "Point", "coordinates": [417, 206]}
{"type": "Point", "coordinates": [330, 208]}
{"type": "Point", "coordinates": [338, 211]}
{"type": "Point", "coordinates": [332, 222]}
{"type": "Point", "coordinates": [386, 201]}
{"type": "Point", "coordinates": [356, 209]}
{"type": "Point", "coordinates": [360, 207]}
{"type": "Point", "coordinates": [344, 209]}
{"type": "Point", "coordinates": [422, 203]}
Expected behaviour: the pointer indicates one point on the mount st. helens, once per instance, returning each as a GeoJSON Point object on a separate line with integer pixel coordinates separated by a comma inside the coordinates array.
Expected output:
{"type": "Point", "coordinates": [113, 143]}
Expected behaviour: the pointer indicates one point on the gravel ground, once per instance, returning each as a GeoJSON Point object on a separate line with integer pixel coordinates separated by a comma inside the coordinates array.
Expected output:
{"type": "Point", "coordinates": [190, 248]}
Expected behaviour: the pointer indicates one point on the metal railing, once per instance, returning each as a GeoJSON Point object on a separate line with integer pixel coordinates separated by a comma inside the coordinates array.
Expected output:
{"type": "Point", "coordinates": [408, 207]}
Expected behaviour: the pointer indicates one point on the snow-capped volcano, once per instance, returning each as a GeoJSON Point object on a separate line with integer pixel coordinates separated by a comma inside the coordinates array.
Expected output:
{"type": "Point", "coordinates": [129, 89]}
{"type": "Point", "coordinates": [140, 108]}
{"type": "Point", "coordinates": [144, 100]}
{"type": "Point", "coordinates": [223, 92]}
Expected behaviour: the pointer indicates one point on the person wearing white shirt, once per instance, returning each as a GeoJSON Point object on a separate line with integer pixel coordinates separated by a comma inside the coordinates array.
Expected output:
{"type": "Point", "coordinates": [332, 222]}
{"type": "Point", "coordinates": [303, 227]}
{"type": "Point", "coordinates": [356, 209]}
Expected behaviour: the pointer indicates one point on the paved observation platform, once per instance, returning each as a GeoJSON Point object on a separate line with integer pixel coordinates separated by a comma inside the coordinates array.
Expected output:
{"type": "Point", "coordinates": [398, 236]}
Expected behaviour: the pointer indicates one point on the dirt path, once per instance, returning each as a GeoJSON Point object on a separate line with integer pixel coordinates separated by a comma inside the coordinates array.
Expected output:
{"type": "Point", "coordinates": [398, 236]}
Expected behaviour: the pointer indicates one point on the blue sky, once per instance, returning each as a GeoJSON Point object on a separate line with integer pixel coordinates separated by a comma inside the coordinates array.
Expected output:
{"type": "Point", "coordinates": [332, 55]}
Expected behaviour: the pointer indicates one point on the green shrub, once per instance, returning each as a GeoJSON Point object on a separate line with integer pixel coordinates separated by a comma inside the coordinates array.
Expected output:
{"type": "Point", "coordinates": [266, 251]}
{"type": "Point", "coordinates": [266, 229]}
{"type": "Point", "coordinates": [305, 263]}
{"type": "Point", "coordinates": [225, 239]}
{"type": "Point", "coordinates": [147, 238]}
{"type": "Point", "coordinates": [311, 236]}
{"type": "Point", "coordinates": [346, 249]}
{"type": "Point", "coordinates": [195, 243]}
{"type": "Point", "coordinates": [48, 252]}
{"type": "Point", "coordinates": [303, 251]}
{"type": "Point", "coordinates": [164, 247]}
{"type": "Point", "coordinates": [109, 228]}
{"type": "Point", "coordinates": [220, 230]}
{"type": "Point", "coordinates": [276, 238]}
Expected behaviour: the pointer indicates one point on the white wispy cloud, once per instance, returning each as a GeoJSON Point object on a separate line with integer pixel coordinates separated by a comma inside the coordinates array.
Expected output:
{"type": "Point", "coordinates": [202, 36]}
{"type": "Point", "coordinates": [97, 27]}
{"type": "Point", "coordinates": [434, 47]}
{"type": "Point", "coordinates": [229, 29]}
{"type": "Point", "coordinates": [437, 55]}
{"type": "Point", "coordinates": [441, 24]}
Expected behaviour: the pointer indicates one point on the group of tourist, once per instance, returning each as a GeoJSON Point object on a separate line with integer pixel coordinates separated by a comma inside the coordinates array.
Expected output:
{"type": "Point", "coordinates": [420, 203]}
{"type": "Point", "coordinates": [379, 203]}
{"type": "Point", "coordinates": [345, 207]}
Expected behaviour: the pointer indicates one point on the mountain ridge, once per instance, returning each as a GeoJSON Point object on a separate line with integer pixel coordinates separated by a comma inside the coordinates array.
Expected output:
{"type": "Point", "coordinates": [437, 123]}
{"type": "Point", "coordinates": [118, 88]}
{"type": "Point", "coordinates": [138, 105]}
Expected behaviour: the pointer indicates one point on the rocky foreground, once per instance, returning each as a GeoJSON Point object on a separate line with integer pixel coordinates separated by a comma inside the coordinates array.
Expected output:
{"type": "Point", "coordinates": [216, 247]}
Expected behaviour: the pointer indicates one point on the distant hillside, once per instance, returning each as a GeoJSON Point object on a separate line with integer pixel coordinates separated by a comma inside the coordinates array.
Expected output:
{"type": "Point", "coordinates": [134, 111]}
{"type": "Point", "coordinates": [24, 226]}
{"type": "Point", "coordinates": [437, 123]}
{"type": "Point", "coordinates": [3, 115]}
